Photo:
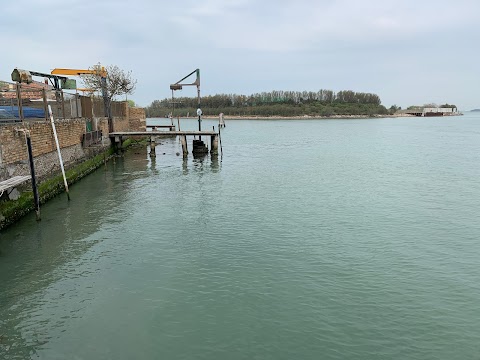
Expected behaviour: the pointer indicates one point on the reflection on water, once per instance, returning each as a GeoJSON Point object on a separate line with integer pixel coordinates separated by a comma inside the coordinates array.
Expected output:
{"type": "Point", "coordinates": [335, 239]}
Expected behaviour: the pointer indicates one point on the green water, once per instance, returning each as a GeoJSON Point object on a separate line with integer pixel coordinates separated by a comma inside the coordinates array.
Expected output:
{"type": "Point", "coordinates": [315, 239]}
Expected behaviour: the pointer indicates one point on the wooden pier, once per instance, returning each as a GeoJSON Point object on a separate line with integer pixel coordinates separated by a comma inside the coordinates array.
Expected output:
{"type": "Point", "coordinates": [198, 146]}
{"type": "Point", "coordinates": [155, 127]}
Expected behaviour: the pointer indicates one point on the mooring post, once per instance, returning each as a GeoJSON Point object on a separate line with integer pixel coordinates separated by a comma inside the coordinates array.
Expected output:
{"type": "Point", "coordinates": [58, 151]}
{"type": "Point", "coordinates": [183, 140]}
{"type": "Point", "coordinates": [214, 146]}
{"type": "Point", "coordinates": [118, 145]}
{"type": "Point", "coordinates": [220, 139]}
{"type": "Point", "coordinates": [152, 147]}
{"type": "Point", "coordinates": [36, 198]}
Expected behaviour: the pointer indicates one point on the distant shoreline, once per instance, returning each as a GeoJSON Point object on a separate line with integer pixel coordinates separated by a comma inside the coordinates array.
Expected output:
{"type": "Point", "coordinates": [305, 117]}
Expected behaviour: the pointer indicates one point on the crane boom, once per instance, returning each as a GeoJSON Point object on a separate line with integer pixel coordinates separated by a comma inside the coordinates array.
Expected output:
{"type": "Point", "coordinates": [103, 79]}
{"type": "Point", "coordinates": [77, 72]}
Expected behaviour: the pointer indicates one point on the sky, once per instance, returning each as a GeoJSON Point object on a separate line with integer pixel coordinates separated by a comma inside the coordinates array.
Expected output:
{"type": "Point", "coordinates": [409, 52]}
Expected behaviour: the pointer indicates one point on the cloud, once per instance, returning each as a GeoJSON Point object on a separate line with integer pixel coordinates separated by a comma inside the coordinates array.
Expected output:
{"type": "Point", "coordinates": [302, 44]}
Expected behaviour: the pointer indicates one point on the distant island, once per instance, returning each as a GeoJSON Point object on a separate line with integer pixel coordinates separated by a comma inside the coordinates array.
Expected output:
{"type": "Point", "coordinates": [475, 110]}
{"type": "Point", "coordinates": [322, 103]}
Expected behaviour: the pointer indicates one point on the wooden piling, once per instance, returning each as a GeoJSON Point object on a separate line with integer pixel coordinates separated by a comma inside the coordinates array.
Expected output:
{"type": "Point", "coordinates": [214, 145]}
{"type": "Point", "coordinates": [36, 198]}
{"type": "Point", "coordinates": [152, 147]}
{"type": "Point", "coordinates": [183, 140]}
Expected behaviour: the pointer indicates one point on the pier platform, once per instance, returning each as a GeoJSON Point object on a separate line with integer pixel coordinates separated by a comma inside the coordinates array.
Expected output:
{"type": "Point", "coordinates": [198, 145]}
{"type": "Point", "coordinates": [163, 133]}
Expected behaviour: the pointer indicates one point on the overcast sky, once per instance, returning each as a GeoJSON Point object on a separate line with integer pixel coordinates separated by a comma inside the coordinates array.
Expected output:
{"type": "Point", "coordinates": [406, 51]}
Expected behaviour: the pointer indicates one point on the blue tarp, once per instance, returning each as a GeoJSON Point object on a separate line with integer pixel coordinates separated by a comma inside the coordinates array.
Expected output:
{"type": "Point", "coordinates": [11, 112]}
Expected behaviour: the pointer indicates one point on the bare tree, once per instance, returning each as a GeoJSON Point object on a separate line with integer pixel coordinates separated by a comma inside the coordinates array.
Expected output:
{"type": "Point", "coordinates": [119, 82]}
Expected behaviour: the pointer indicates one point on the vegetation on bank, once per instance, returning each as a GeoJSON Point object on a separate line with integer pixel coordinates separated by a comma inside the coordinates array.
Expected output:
{"type": "Point", "coordinates": [432, 105]}
{"type": "Point", "coordinates": [276, 103]}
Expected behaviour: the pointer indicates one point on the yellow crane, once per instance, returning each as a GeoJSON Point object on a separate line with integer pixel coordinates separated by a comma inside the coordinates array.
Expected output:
{"type": "Point", "coordinates": [77, 72]}
{"type": "Point", "coordinates": [102, 72]}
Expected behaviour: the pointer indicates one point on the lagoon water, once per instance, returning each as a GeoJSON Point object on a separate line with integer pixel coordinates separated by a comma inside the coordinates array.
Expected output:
{"type": "Point", "coordinates": [308, 239]}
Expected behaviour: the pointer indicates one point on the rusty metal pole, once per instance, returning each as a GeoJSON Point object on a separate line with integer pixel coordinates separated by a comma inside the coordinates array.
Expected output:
{"type": "Point", "coordinates": [19, 102]}
{"type": "Point", "coordinates": [199, 111]}
{"type": "Point", "coordinates": [36, 198]}
{"type": "Point", "coordinates": [45, 103]}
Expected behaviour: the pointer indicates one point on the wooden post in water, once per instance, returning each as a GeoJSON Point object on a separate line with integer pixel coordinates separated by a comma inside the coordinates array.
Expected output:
{"type": "Point", "coordinates": [183, 140]}
{"type": "Point", "coordinates": [36, 198]}
{"type": "Point", "coordinates": [214, 145]}
{"type": "Point", "coordinates": [152, 147]}
{"type": "Point", "coordinates": [220, 140]}
{"type": "Point", "coordinates": [58, 151]}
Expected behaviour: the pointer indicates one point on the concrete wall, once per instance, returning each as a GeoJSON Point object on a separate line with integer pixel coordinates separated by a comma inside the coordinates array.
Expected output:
{"type": "Point", "coordinates": [13, 149]}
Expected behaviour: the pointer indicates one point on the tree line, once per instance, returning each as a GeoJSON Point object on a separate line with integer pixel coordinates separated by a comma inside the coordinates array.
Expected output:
{"type": "Point", "coordinates": [274, 103]}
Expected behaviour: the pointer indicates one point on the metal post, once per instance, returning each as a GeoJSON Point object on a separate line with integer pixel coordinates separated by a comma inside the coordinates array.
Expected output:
{"type": "Point", "coordinates": [63, 104]}
{"type": "Point", "coordinates": [36, 198]}
{"type": "Point", "coordinates": [58, 150]}
{"type": "Point", "coordinates": [173, 108]}
{"type": "Point", "coordinates": [77, 108]}
{"type": "Point", "coordinates": [45, 103]}
{"type": "Point", "coordinates": [200, 111]}
{"type": "Point", "coordinates": [106, 104]}
{"type": "Point", "coordinates": [19, 102]}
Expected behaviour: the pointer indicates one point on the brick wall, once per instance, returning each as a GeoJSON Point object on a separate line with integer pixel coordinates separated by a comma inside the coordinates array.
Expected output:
{"type": "Point", "coordinates": [13, 149]}
{"type": "Point", "coordinates": [137, 119]}
{"type": "Point", "coordinates": [12, 142]}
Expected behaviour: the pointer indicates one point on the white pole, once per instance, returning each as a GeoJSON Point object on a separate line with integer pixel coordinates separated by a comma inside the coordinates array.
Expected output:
{"type": "Point", "coordinates": [58, 150]}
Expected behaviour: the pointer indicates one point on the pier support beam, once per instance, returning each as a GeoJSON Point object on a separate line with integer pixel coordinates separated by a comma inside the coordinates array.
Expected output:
{"type": "Point", "coordinates": [152, 147]}
{"type": "Point", "coordinates": [118, 144]}
{"type": "Point", "coordinates": [214, 145]}
{"type": "Point", "coordinates": [183, 140]}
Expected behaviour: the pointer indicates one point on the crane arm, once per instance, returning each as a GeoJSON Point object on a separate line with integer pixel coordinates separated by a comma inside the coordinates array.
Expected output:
{"type": "Point", "coordinates": [77, 72]}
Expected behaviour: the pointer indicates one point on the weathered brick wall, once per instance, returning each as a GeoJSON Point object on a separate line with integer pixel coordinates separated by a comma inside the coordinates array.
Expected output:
{"type": "Point", "coordinates": [13, 149]}
{"type": "Point", "coordinates": [120, 124]}
{"type": "Point", "coordinates": [137, 119]}
{"type": "Point", "coordinates": [12, 142]}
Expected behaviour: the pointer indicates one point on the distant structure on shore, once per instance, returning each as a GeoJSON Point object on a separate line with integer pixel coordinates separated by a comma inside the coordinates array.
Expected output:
{"type": "Point", "coordinates": [432, 111]}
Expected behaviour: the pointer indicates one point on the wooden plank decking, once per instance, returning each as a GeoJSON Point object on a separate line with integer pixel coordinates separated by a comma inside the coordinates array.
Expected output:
{"type": "Point", "coordinates": [160, 126]}
{"type": "Point", "coordinates": [12, 182]}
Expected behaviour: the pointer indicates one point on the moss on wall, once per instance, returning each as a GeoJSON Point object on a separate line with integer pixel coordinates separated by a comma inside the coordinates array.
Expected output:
{"type": "Point", "coordinates": [11, 211]}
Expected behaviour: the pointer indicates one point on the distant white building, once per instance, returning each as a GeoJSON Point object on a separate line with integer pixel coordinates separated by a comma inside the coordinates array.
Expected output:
{"type": "Point", "coordinates": [431, 111]}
